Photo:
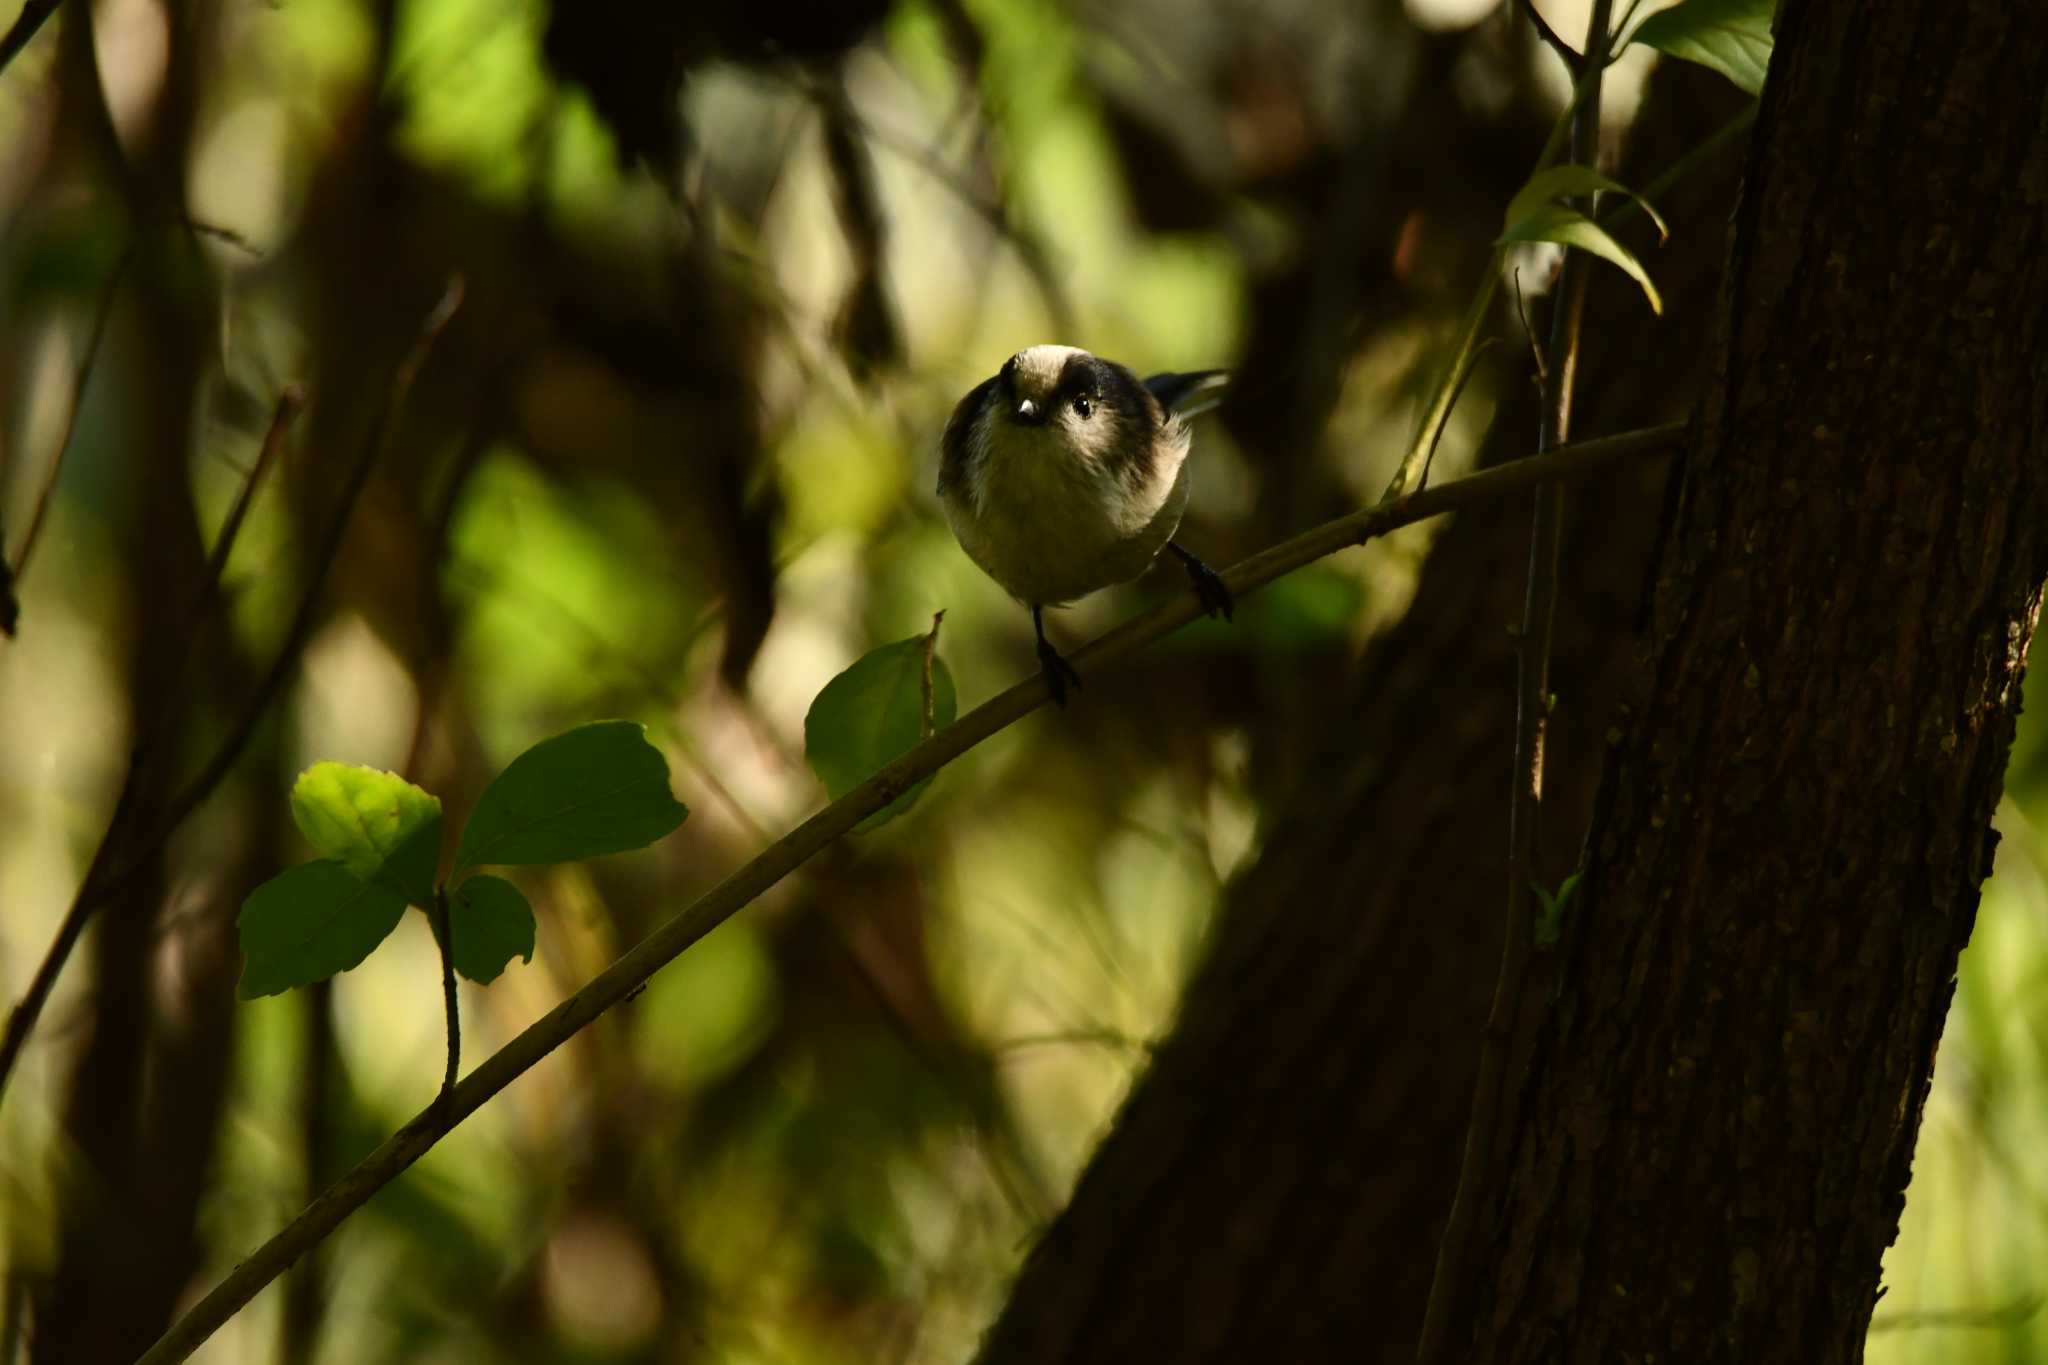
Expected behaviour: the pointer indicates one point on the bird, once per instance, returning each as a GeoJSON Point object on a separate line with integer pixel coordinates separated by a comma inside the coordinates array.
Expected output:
{"type": "Point", "coordinates": [1063, 473]}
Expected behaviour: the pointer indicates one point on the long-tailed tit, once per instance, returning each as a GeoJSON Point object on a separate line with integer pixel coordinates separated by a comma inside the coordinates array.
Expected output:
{"type": "Point", "coordinates": [1066, 473]}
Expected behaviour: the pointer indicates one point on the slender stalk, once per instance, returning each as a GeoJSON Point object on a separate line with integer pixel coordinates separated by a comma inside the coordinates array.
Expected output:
{"type": "Point", "coordinates": [24, 27]}
{"type": "Point", "coordinates": [1532, 730]}
{"type": "Point", "coordinates": [444, 938]}
{"type": "Point", "coordinates": [631, 971]}
{"type": "Point", "coordinates": [1566, 53]}
{"type": "Point", "coordinates": [119, 858]}
{"type": "Point", "coordinates": [1449, 383]}
{"type": "Point", "coordinates": [103, 315]}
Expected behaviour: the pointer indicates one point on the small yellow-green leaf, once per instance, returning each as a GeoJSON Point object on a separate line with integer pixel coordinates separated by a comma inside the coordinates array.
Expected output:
{"type": "Point", "coordinates": [376, 824]}
{"type": "Point", "coordinates": [872, 714]}
{"type": "Point", "coordinates": [1556, 183]}
{"type": "Point", "coordinates": [491, 924]}
{"type": "Point", "coordinates": [1732, 37]}
{"type": "Point", "coordinates": [600, 788]}
{"type": "Point", "coordinates": [309, 923]}
{"type": "Point", "coordinates": [1555, 223]}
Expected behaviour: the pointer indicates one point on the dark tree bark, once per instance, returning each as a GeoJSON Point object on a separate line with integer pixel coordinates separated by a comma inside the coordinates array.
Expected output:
{"type": "Point", "coordinates": [1726, 1090]}
{"type": "Point", "coordinates": [1785, 860]}
{"type": "Point", "coordinates": [1275, 1185]}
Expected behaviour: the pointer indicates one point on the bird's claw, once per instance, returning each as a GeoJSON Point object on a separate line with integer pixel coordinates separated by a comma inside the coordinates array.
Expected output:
{"type": "Point", "coordinates": [1209, 585]}
{"type": "Point", "coordinates": [1058, 673]}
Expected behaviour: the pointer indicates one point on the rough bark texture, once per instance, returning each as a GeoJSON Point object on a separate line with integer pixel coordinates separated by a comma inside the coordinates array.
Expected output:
{"type": "Point", "coordinates": [1713, 1150]}
{"type": "Point", "coordinates": [1274, 1187]}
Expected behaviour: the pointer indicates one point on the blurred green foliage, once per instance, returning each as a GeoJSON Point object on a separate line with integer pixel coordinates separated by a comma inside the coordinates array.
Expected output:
{"type": "Point", "coordinates": [672, 460]}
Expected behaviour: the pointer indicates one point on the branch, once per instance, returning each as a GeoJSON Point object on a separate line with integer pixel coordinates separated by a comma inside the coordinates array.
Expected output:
{"type": "Point", "coordinates": [95, 889]}
{"type": "Point", "coordinates": [33, 13]}
{"type": "Point", "coordinates": [201, 786]}
{"type": "Point", "coordinates": [1574, 61]}
{"type": "Point", "coordinates": [101, 317]}
{"type": "Point", "coordinates": [444, 939]}
{"type": "Point", "coordinates": [1532, 731]}
{"type": "Point", "coordinates": [105, 877]}
{"type": "Point", "coordinates": [632, 969]}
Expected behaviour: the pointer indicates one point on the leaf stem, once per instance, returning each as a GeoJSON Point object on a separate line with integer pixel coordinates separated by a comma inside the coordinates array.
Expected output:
{"type": "Point", "coordinates": [444, 938]}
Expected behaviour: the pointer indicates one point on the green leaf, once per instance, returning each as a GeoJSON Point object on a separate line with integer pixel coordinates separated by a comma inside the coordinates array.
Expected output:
{"type": "Point", "coordinates": [1555, 223]}
{"type": "Point", "coordinates": [491, 924]}
{"type": "Point", "coordinates": [379, 826]}
{"type": "Point", "coordinates": [1550, 919]}
{"type": "Point", "coordinates": [1556, 183]}
{"type": "Point", "coordinates": [309, 923]}
{"type": "Point", "coordinates": [1732, 37]}
{"type": "Point", "coordinates": [600, 788]}
{"type": "Point", "coordinates": [874, 713]}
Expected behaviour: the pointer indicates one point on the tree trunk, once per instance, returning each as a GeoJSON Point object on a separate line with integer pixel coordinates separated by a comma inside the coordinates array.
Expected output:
{"type": "Point", "coordinates": [1753, 1053]}
{"type": "Point", "coordinates": [1712, 1150]}
{"type": "Point", "coordinates": [1275, 1185]}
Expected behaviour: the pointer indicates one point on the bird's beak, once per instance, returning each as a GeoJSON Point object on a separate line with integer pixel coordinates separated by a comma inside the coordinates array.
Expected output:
{"type": "Point", "coordinates": [1028, 411]}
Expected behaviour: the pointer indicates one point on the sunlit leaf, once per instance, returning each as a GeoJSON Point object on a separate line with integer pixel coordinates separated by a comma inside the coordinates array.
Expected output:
{"type": "Point", "coordinates": [309, 923]}
{"type": "Point", "coordinates": [1555, 183]}
{"type": "Point", "coordinates": [600, 788]}
{"type": "Point", "coordinates": [491, 924]}
{"type": "Point", "coordinates": [1556, 223]}
{"type": "Point", "coordinates": [1732, 37]}
{"type": "Point", "coordinates": [376, 824]}
{"type": "Point", "coordinates": [873, 713]}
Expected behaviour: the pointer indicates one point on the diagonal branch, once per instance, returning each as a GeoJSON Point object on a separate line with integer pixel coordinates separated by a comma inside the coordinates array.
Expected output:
{"type": "Point", "coordinates": [633, 968]}
{"type": "Point", "coordinates": [33, 13]}
{"type": "Point", "coordinates": [1574, 60]}
{"type": "Point", "coordinates": [101, 317]}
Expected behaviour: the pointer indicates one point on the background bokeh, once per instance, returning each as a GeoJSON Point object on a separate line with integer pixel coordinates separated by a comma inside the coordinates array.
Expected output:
{"type": "Point", "coordinates": [724, 268]}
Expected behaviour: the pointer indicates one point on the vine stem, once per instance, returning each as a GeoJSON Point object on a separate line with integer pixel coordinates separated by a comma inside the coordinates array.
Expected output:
{"type": "Point", "coordinates": [633, 968]}
{"type": "Point", "coordinates": [1532, 729]}
{"type": "Point", "coordinates": [444, 937]}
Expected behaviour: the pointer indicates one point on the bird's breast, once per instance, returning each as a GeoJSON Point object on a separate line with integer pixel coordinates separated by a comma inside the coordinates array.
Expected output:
{"type": "Point", "coordinates": [1050, 528]}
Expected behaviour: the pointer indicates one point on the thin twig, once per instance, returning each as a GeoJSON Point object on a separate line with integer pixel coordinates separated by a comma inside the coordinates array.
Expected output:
{"type": "Point", "coordinates": [202, 785]}
{"type": "Point", "coordinates": [1457, 389]}
{"type": "Point", "coordinates": [289, 404]}
{"type": "Point", "coordinates": [33, 13]}
{"type": "Point", "coordinates": [1574, 61]}
{"type": "Point", "coordinates": [227, 236]}
{"type": "Point", "coordinates": [444, 938]}
{"type": "Point", "coordinates": [1532, 727]}
{"type": "Point", "coordinates": [105, 876]}
{"type": "Point", "coordinates": [1535, 346]}
{"type": "Point", "coordinates": [96, 889]}
{"type": "Point", "coordinates": [632, 969]}
{"type": "Point", "coordinates": [931, 649]}
{"type": "Point", "coordinates": [1628, 16]}
{"type": "Point", "coordinates": [1030, 252]}
{"type": "Point", "coordinates": [1684, 166]}
{"type": "Point", "coordinates": [101, 317]}
{"type": "Point", "coordinates": [2007, 1315]}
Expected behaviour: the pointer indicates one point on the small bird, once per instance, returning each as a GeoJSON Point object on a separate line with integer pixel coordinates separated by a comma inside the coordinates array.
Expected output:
{"type": "Point", "coordinates": [1065, 473]}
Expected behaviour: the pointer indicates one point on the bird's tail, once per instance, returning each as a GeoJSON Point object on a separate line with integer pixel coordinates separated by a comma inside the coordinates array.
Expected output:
{"type": "Point", "coordinates": [1191, 394]}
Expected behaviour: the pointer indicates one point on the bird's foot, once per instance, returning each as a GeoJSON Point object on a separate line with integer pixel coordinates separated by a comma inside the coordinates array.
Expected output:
{"type": "Point", "coordinates": [1058, 673]}
{"type": "Point", "coordinates": [1209, 586]}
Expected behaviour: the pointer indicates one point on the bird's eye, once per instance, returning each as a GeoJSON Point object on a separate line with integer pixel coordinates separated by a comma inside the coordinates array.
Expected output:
{"type": "Point", "coordinates": [1082, 407]}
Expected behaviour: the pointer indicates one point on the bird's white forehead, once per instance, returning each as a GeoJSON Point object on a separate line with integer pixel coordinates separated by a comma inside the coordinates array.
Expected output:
{"type": "Point", "coordinates": [1037, 368]}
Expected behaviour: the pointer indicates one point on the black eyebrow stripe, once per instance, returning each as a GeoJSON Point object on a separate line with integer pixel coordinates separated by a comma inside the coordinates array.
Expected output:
{"type": "Point", "coordinates": [1081, 374]}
